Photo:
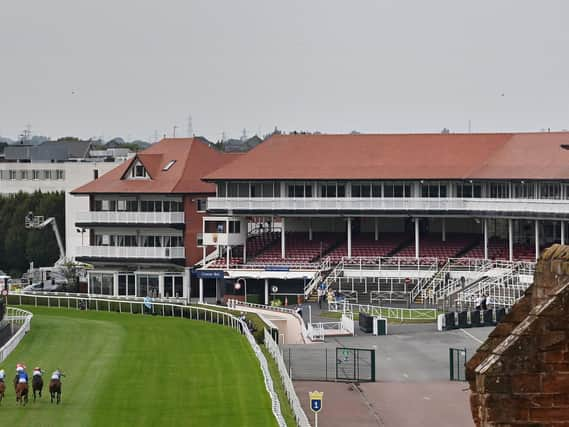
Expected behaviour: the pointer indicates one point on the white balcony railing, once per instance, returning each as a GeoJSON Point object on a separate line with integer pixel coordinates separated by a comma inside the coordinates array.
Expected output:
{"type": "Point", "coordinates": [534, 206]}
{"type": "Point", "coordinates": [130, 252]}
{"type": "Point", "coordinates": [131, 217]}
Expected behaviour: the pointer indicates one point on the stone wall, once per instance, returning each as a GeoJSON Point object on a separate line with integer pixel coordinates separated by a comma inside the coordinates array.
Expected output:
{"type": "Point", "coordinates": [520, 375]}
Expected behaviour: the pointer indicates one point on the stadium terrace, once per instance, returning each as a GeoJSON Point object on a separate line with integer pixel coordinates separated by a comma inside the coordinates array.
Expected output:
{"type": "Point", "coordinates": [180, 218]}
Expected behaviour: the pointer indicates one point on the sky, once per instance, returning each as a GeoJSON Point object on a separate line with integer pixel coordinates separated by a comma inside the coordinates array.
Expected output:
{"type": "Point", "coordinates": [137, 68]}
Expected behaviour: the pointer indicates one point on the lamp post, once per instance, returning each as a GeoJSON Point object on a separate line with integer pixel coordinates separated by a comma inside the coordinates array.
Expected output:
{"type": "Point", "coordinates": [238, 285]}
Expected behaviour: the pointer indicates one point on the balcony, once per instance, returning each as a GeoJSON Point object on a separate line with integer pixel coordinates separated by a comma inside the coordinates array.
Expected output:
{"type": "Point", "coordinates": [130, 252]}
{"type": "Point", "coordinates": [484, 207]}
{"type": "Point", "coordinates": [121, 217]}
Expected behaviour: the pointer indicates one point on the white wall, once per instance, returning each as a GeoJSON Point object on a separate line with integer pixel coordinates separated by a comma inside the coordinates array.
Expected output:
{"type": "Point", "coordinates": [76, 174]}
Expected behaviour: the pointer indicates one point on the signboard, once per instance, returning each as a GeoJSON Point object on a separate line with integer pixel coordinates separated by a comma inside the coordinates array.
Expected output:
{"type": "Point", "coordinates": [277, 268]}
{"type": "Point", "coordinates": [4, 292]}
{"type": "Point", "coordinates": [316, 400]}
{"type": "Point", "coordinates": [209, 274]}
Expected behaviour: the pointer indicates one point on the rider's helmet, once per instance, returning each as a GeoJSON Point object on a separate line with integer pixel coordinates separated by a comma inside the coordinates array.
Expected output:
{"type": "Point", "coordinates": [2, 372]}
{"type": "Point", "coordinates": [20, 367]}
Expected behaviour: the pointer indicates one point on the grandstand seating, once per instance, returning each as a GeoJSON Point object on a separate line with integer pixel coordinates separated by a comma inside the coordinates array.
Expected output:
{"type": "Point", "coordinates": [365, 245]}
{"type": "Point", "coordinates": [431, 245]}
{"type": "Point", "coordinates": [497, 249]}
{"type": "Point", "coordinates": [299, 249]}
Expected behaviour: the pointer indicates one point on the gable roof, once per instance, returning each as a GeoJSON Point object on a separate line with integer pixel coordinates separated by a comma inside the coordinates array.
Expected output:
{"type": "Point", "coordinates": [403, 156]}
{"type": "Point", "coordinates": [193, 160]}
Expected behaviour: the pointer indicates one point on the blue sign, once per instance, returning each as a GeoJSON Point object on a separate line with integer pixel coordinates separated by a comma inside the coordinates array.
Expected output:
{"type": "Point", "coordinates": [277, 268]}
{"type": "Point", "coordinates": [209, 274]}
{"type": "Point", "coordinates": [316, 401]}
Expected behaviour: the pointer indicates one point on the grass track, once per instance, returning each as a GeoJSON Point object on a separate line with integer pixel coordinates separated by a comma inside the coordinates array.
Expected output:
{"type": "Point", "coordinates": [128, 370]}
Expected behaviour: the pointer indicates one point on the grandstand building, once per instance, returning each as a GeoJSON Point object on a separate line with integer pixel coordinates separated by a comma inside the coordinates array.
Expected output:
{"type": "Point", "coordinates": [144, 219]}
{"type": "Point", "coordinates": [339, 197]}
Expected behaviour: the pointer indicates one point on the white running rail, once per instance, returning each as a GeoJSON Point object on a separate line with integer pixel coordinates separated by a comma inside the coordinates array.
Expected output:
{"type": "Point", "coordinates": [395, 313]}
{"type": "Point", "coordinates": [299, 414]}
{"type": "Point", "coordinates": [20, 323]}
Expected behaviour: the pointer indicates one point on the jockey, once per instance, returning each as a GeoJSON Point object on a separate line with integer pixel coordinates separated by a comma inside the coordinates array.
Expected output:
{"type": "Point", "coordinates": [37, 372]}
{"type": "Point", "coordinates": [2, 375]}
{"type": "Point", "coordinates": [21, 374]}
{"type": "Point", "coordinates": [57, 374]}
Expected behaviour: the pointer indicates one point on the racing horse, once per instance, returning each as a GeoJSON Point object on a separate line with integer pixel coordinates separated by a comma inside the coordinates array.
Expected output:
{"type": "Point", "coordinates": [2, 390]}
{"type": "Point", "coordinates": [55, 386]}
{"type": "Point", "coordinates": [21, 392]}
{"type": "Point", "coordinates": [37, 385]}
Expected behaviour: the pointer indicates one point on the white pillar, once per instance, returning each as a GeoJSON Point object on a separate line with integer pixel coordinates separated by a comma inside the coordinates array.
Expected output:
{"type": "Point", "coordinates": [444, 229]}
{"type": "Point", "coordinates": [416, 237]}
{"type": "Point", "coordinates": [309, 228]}
{"type": "Point", "coordinates": [376, 227]}
{"type": "Point", "coordinates": [283, 245]}
{"type": "Point", "coordinates": [349, 237]}
{"type": "Point", "coordinates": [562, 232]}
{"type": "Point", "coordinates": [228, 250]}
{"type": "Point", "coordinates": [161, 285]}
{"type": "Point", "coordinates": [245, 252]}
{"type": "Point", "coordinates": [186, 283]}
{"type": "Point", "coordinates": [485, 226]}
{"type": "Point", "coordinates": [511, 239]}
{"type": "Point", "coordinates": [266, 291]}
{"type": "Point", "coordinates": [201, 291]}
{"type": "Point", "coordinates": [116, 284]}
{"type": "Point", "coordinates": [536, 239]}
{"type": "Point", "coordinates": [204, 253]}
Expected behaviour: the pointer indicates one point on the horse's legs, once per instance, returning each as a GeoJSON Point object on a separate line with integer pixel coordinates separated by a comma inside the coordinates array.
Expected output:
{"type": "Point", "coordinates": [58, 397]}
{"type": "Point", "coordinates": [51, 393]}
{"type": "Point", "coordinates": [34, 394]}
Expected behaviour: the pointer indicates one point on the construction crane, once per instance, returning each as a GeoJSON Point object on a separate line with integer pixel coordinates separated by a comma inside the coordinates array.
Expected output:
{"type": "Point", "coordinates": [39, 222]}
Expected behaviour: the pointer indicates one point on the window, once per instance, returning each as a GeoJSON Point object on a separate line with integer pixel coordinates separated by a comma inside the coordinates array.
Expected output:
{"type": "Point", "coordinates": [397, 189]}
{"type": "Point", "coordinates": [168, 165]}
{"type": "Point", "coordinates": [127, 284]}
{"type": "Point", "coordinates": [148, 286]}
{"type": "Point", "coordinates": [132, 205]}
{"type": "Point", "coordinates": [433, 189]}
{"type": "Point", "coordinates": [524, 190]}
{"type": "Point", "coordinates": [35, 174]}
{"type": "Point", "coordinates": [199, 239]}
{"type": "Point", "coordinates": [173, 286]}
{"type": "Point", "coordinates": [12, 175]}
{"type": "Point", "coordinates": [214, 226]}
{"type": "Point", "coordinates": [361, 190]}
{"type": "Point", "coordinates": [467, 190]}
{"type": "Point", "coordinates": [121, 205]}
{"type": "Point", "coordinates": [499, 190]}
{"type": "Point", "coordinates": [101, 283]}
{"type": "Point", "coordinates": [333, 189]}
{"type": "Point", "coordinates": [549, 190]}
{"type": "Point", "coordinates": [59, 174]}
{"type": "Point", "coordinates": [221, 189]}
{"type": "Point", "coordinates": [105, 205]}
{"type": "Point", "coordinates": [234, 227]}
{"type": "Point", "coordinates": [202, 205]}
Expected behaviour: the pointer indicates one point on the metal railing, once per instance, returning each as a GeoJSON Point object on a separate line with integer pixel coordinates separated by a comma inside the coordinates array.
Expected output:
{"type": "Point", "coordinates": [63, 295]}
{"type": "Point", "coordinates": [121, 217]}
{"type": "Point", "coordinates": [130, 252]}
{"type": "Point", "coordinates": [395, 313]}
{"type": "Point", "coordinates": [170, 310]}
{"type": "Point", "coordinates": [275, 352]}
{"type": "Point", "coordinates": [20, 322]}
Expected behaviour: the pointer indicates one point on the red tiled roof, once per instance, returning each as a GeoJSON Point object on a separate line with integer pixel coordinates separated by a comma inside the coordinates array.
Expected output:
{"type": "Point", "coordinates": [193, 160]}
{"type": "Point", "coordinates": [408, 156]}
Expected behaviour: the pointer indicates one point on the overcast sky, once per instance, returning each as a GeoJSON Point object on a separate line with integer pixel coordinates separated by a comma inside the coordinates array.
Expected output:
{"type": "Point", "coordinates": [135, 67]}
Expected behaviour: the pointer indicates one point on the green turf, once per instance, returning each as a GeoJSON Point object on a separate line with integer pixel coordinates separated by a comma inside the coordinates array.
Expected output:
{"type": "Point", "coordinates": [132, 370]}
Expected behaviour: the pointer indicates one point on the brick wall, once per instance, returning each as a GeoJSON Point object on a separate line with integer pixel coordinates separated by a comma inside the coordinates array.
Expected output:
{"type": "Point", "coordinates": [520, 375]}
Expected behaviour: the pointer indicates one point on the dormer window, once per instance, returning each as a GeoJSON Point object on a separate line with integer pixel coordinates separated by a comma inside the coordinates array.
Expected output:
{"type": "Point", "coordinates": [139, 171]}
{"type": "Point", "coordinates": [168, 165]}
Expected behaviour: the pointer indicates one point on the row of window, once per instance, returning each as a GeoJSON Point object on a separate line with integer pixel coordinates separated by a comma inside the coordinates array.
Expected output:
{"type": "Point", "coordinates": [437, 189]}
{"type": "Point", "coordinates": [33, 174]}
{"type": "Point", "coordinates": [220, 227]}
{"type": "Point", "coordinates": [139, 205]}
{"type": "Point", "coordinates": [128, 285]}
{"type": "Point", "coordinates": [139, 241]}
{"type": "Point", "coordinates": [146, 205]}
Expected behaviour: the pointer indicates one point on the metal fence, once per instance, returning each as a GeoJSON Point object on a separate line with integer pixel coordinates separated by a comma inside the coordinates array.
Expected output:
{"type": "Point", "coordinates": [396, 313]}
{"type": "Point", "coordinates": [457, 364]}
{"type": "Point", "coordinates": [329, 363]}
{"type": "Point", "coordinates": [164, 309]}
{"type": "Point", "coordinates": [20, 325]}
{"type": "Point", "coordinates": [274, 351]}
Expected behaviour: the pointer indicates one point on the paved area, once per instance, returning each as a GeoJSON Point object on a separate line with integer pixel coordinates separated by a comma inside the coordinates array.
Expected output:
{"type": "Point", "coordinates": [442, 404]}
